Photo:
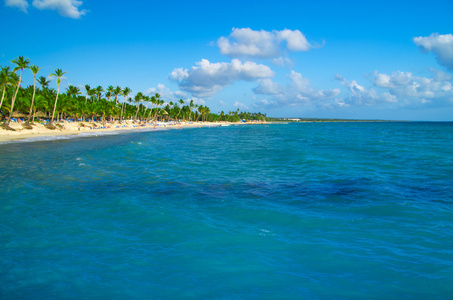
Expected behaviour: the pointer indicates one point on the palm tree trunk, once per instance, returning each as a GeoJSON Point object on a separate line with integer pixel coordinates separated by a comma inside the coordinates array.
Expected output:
{"type": "Point", "coordinates": [136, 114]}
{"type": "Point", "coordinates": [3, 96]}
{"type": "Point", "coordinates": [55, 106]}
{"type": "Point", "coordinates": [157, 111]}
{"type": "Point", "coordinates": [121, 117]}
{"type": "Point", "coordinates": [14, 98]}
{"type": "Point", "coordinates": [177, 117]}
{"type": "Point", "coordinates": [32, 100]}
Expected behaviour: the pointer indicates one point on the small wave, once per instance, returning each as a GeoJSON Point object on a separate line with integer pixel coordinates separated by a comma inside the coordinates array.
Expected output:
{"type": "Point", "coordinates": [44, 138]}
{"type": "Point", "coordinates": [47, 138]}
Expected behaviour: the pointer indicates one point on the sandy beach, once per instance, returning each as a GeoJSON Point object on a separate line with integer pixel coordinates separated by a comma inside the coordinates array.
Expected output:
{"type": "Point", "coordinates": [76, 128]}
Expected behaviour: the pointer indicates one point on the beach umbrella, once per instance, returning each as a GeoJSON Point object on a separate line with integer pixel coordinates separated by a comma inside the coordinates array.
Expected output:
{"type": "Point", "coordinates": [40, 114]}
{"type": "Point", "coordinates": [17, 114]}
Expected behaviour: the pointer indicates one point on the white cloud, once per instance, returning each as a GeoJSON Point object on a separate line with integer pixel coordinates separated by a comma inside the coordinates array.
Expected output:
{"type": "Point", "coordinates": [268, 87]}
{"type": "Point", "coordinates": [358, 94]}
{"type": "Point", "coordinates": [298, 92]}
{"type": "Point", "coordinates": [179, 74]}
{"type": "Point", "coordinates": [440, 45]}
{"type": "Point", "coordinates": [198, 101]}
{"type": "Point", "coordinates": [282, 62]}
{"type": "Point", "coordinates": [245, 42]}
{"type": "Point", "coordinates": [206, 78]}
{"type": "Point", "coordinates": [222, 103]}
{"type": "Point", "coordinates": [406, 89]}
{"type": "Point", "coordinates": [20, 4]}
{"type": "Point", "coordinates": [240, 105]}
{"type": "Point", "coordinates": [401, 89]}
{"type": "Point", "coordinates": [66, 8]}
{"type": "Point", "coordinates": [264, 103]}
{"type": "Point", "coordinates": [295, 40]}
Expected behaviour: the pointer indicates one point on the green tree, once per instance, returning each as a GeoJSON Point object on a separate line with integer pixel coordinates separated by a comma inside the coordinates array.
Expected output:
{"type": "Point", "coordinates": [5, 80]}
{"type": "Point", "coordinates": [73, 91]}
{"type": "Point", "coordinates": [180, 108]}
{"type": "Point", "coordinates": [34, 69]}
{"type": "Point", "coordinates": [87, 89]}
{"type": "Point", "coordinates": [126, 91]}
{"type": "Point", "coordinates": [109, 93]}
{"type": "Point", "coordinates": [99, 90]}
{"type": "Point", "coordinates": [138, 98]}
{"type": "Point", "coordinates": [116, 92]}
{"type": "Point", "coordinates": [21, 64]}
{"type": "Point", "coordinates": [43, 82]}
{"type": "Point", "coordinates": [58, 73]}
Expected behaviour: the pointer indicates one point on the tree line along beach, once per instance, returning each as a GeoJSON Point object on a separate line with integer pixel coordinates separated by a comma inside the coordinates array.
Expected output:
{"type": "Point", "coordinates": [38, 109]}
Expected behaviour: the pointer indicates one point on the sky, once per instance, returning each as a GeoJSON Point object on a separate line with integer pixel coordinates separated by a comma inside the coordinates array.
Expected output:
{"type": "Point", "coordinates": [387, 60]}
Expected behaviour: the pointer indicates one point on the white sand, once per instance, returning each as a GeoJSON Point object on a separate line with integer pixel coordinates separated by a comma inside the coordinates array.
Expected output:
{"type": "Point", "coordinates": [75, 128]}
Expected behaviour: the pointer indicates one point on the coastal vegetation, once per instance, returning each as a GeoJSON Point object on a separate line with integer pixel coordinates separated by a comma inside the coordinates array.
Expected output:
{"type": "Point", "coordinates": [39, 101]}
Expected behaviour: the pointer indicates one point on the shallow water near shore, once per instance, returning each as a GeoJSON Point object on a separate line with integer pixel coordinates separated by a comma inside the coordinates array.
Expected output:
{"type": "Point", "coordinates": [308, 210]}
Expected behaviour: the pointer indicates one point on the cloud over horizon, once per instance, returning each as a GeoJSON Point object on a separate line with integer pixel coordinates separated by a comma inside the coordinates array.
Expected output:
{"type": "Point", "coordinates": [298, 91]}
{"type": "Point", "coordinates": [400, 89]}
{"type": "Point", "coordinates": [206, 78]}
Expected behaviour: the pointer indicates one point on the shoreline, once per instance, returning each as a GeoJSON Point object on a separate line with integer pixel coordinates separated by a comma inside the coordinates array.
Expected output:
{"type": "Point", "coordinates": [75, 128]}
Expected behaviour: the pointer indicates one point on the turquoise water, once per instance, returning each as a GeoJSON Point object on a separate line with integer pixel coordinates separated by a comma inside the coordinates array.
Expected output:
{"type": "Point", "coordinates": [312, 210]}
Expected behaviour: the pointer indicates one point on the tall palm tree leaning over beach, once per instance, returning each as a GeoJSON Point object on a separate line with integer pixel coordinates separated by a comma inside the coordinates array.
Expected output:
{"type": "Point", "coordinates": [21, 64]}
{"type": "Point", "coordinates": [58, 73]}
{"type": "Point", "coordinates": [34, 69]}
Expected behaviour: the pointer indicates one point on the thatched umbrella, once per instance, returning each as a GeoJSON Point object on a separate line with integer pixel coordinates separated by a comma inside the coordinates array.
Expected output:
{"type": "Point", "coordinates": [17, 114]}
{"type": "Point", "coordinates": [40, 114]}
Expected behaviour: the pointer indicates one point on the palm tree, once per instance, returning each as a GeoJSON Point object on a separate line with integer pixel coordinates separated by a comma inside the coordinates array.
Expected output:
{"type": "Point", "coordinates": [159, 103]}
{"type": "Point", "coordinates": [43, 82]}
{"type": "Point", "coordinates": [152, 100]}
{"type": "Point", "coordinates": [34, 69]}
{"type": "Point", "coordinates": [221, 115]}
{"type": "Point", "coordinates": [138, 98]}
{"type": "Point", "coordinates": [58, 73]}
{"type": "Point", "coordinates": [99, 91]}
{"type": "Point", "coordinates": [92, 94]}
{"type": "Point", "coordinates": [110, 89]}
{"type": "Point", "coordinates": [21, 64]}
{"type": "Point", "coordinates": [108, 94]}
{"type": "Point", "coordinates": [73, 91]}
{"type": "Point", "coordinates": [5, 79]}
{"type": "Point", "coordinates": [190, 108]}
{"type": "Point", "coordinates": [87, 88]}
{"type": "Point", "coordinates": [116, 92]}
{"type": "Point", "coordinates": [126, 91]}
{"type": "Point", "coordinates": [182, 103]}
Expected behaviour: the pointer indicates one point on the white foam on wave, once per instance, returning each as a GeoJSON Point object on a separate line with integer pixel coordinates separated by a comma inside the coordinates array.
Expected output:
{"type": "Point", "coordinates": [42, 139]}
{"type": "Point", "coordinates": [82, 134]}
{"type": "Point", "coordinates": [47, 138]}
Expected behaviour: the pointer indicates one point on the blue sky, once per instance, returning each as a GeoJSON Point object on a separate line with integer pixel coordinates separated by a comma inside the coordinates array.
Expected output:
{"type": "Point", "coordinates": [326, 59]}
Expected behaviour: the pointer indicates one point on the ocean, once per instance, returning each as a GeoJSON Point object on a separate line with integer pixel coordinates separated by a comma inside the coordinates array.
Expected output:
{"type": "Point", "coordinates": [282, 211]}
